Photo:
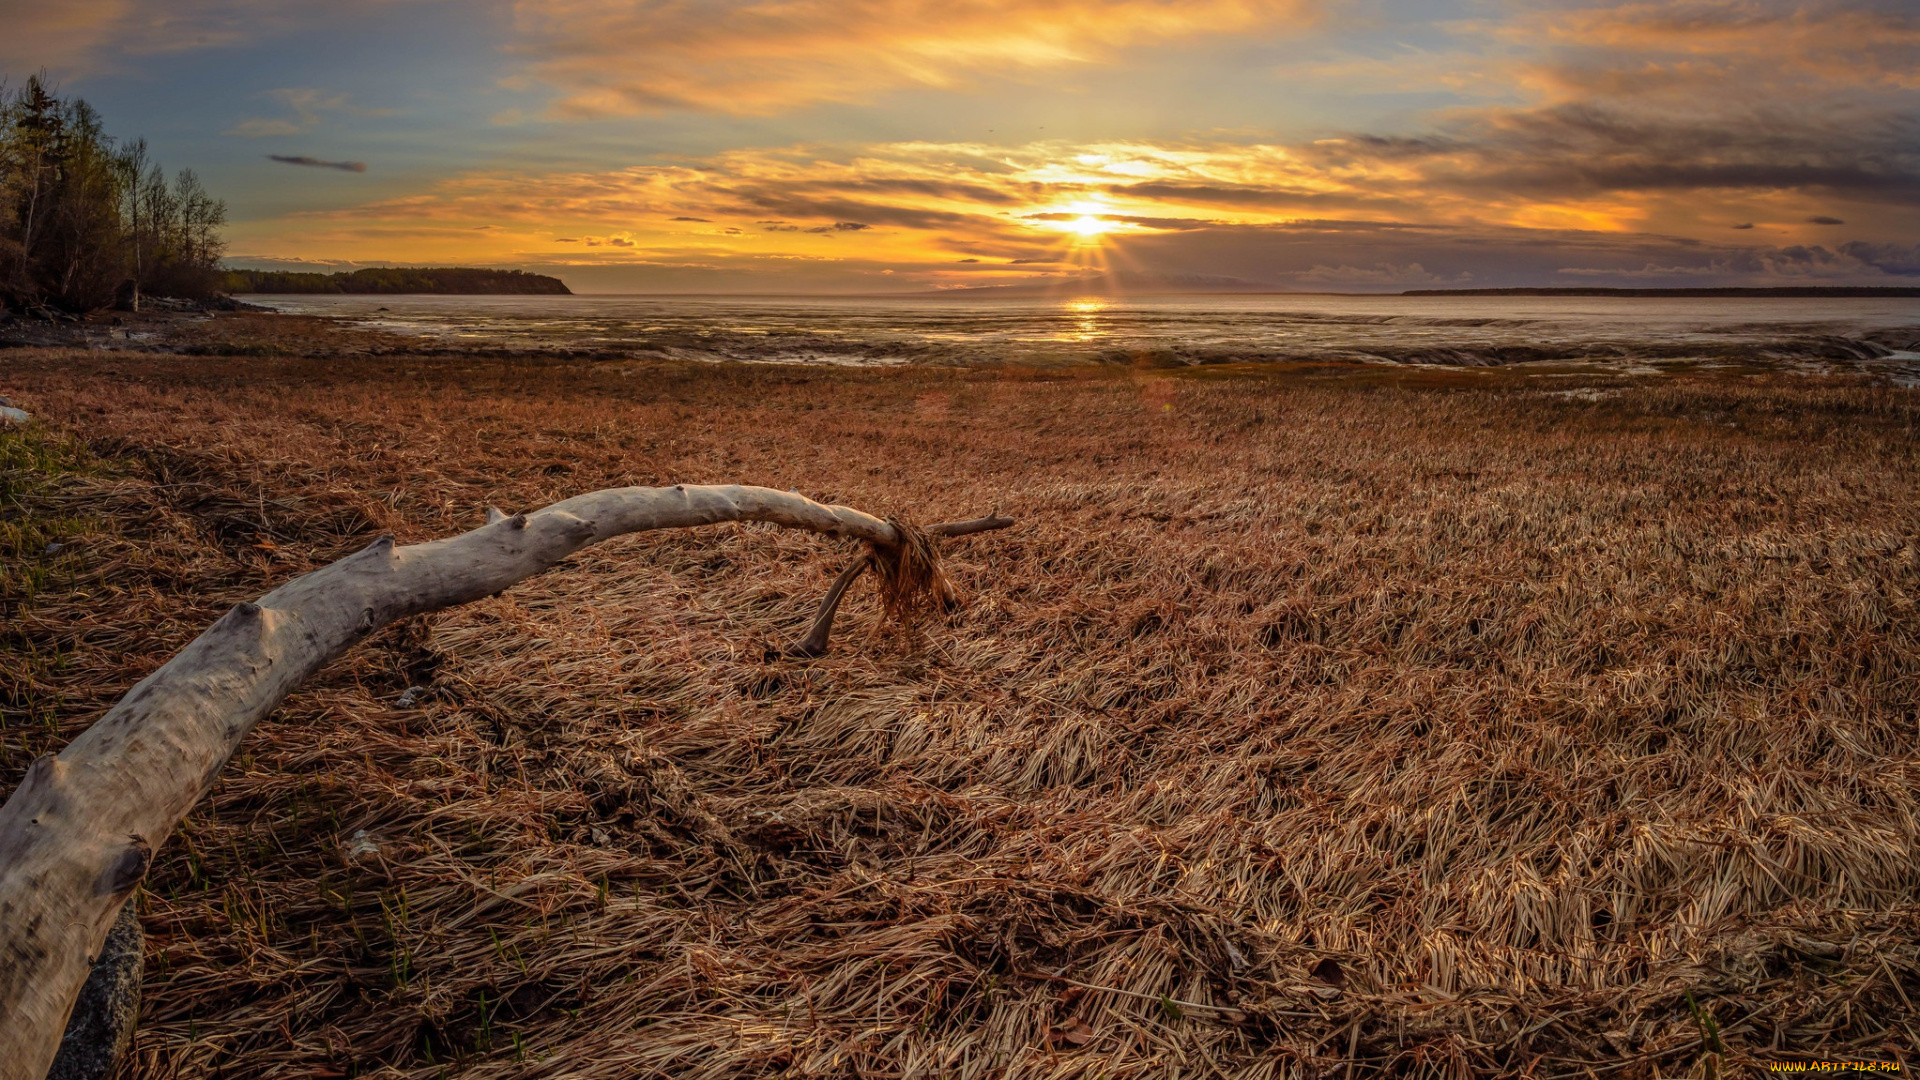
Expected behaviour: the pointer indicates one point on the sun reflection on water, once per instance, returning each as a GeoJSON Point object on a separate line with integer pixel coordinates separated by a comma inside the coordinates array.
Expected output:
{"type": "Point", "coordinates": [1086, 317]}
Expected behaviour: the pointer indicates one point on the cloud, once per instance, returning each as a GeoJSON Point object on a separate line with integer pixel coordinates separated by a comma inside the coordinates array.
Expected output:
{"type": "Point", "coordinates": [1351, 212]}
{"type": "Point", "coordinates": [1659, 117]}
{"type": "Point", "coordinates": [615, 57]}
{"type": "Point", "coordinates": [1887, 258]}
{"type": "Point", "coordinates": [313, 162]}
{"type": "Point", "coordinates": [1585, 148]}
{"type": "Point", "coordinates": [1141, 221]}
{"type": "Point", "coordinates": [276, 262]}
{"type": "Point", "coordinates": [258, 128]}
{"type": "Point", "coordinates": [699, 219]}
{"type": "Point", "coordinates": [69, 34]}
{"type": "Point", "coordinates": [1368, 255]}
{"type": "Point", "coordinates": [78, 37]}
{"type": "Point", "coordinates": [308, 106]}
{"type": "Point", "coordinates": [621, 239]}
{"type": "Point", "coordinates": [1694, 42]}
{"type": "Point", "coordinates": [1379, 274]}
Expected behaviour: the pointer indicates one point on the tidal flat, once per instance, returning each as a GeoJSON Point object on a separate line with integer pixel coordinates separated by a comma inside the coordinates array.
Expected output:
{"type": "Point", "coordinates": [1345, 718]}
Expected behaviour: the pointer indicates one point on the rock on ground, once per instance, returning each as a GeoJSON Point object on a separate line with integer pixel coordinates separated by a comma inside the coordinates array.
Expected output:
{"type": "Point", "coordinates": [109, 1005]}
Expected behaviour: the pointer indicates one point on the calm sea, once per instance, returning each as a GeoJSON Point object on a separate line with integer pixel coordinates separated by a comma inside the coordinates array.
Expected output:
{"type": "Point", "coordinates": [1618, 332]}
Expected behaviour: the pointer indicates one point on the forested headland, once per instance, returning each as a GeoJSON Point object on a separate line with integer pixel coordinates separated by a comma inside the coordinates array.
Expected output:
{"type": "Point", "coordinates": [87, 222]}
{"type": "Point", "coordinates": [456, 280]}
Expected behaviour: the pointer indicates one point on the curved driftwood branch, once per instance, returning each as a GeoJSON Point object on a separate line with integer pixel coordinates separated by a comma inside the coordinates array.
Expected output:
{"type": "Point", "coordinates": [79, 832]}
{"type": "Point", "coordinates": [815, 643]}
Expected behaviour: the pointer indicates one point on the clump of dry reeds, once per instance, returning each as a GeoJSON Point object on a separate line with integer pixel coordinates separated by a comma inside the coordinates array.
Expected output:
{"type": "Point", "coordinates": [1353, 725]}
{"type": "Point", "coordinates": [912, 582]}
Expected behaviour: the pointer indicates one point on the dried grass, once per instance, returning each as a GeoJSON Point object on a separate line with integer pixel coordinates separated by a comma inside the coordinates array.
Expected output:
{"type": "Point", "coordinates": [1344, 725]}
{"type": "Point", "coordinates": [912, 582]}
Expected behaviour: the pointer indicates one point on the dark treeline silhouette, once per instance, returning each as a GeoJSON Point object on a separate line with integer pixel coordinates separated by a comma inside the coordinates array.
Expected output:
{"type": "Point", "coordinates": [1774, 292]}
{"type": "Point", "coordinates": [462, 280]}
{"type": "Point", "coordinates": [86, 222]}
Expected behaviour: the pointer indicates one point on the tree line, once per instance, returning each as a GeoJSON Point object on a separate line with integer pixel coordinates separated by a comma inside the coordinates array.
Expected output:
{"type": "Point", "coordinates": [87, 222]}
{"type": "Point", "coordinates": [460, 280]}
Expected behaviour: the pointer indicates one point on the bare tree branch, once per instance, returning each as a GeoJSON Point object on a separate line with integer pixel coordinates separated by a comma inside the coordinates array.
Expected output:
{"type": "Point", "coordinates": [815, 643]}
{"type": "Point", "coordinates": [78, 834]}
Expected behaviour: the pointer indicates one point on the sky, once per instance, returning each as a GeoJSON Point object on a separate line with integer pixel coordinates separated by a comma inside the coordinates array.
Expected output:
{"type": "Point", "coordinates": [864, 146]}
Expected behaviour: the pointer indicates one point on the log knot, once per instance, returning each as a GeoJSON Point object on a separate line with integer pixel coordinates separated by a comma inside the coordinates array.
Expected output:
{"type": "Point", "coordinates": [576, 529]}
{"type": "Point", "coordinates": [127, 869]}
{"type": "Point", "coordinates": [37, 787]}
{"type": "Point", "coordinates": [241, 619]}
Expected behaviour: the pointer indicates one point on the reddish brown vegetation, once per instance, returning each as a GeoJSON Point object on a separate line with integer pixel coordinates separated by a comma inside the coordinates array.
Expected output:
{"type": "Point", "coordinates": [1442, 725]}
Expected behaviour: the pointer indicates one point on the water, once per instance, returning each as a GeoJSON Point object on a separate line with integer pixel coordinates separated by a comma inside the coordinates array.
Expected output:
{"type": "Point", "coordinates": [1475, 330]}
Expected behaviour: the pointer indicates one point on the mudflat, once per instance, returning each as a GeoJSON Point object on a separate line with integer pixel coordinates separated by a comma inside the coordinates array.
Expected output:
{"type": "Point", "coordinates": [1343, 718]}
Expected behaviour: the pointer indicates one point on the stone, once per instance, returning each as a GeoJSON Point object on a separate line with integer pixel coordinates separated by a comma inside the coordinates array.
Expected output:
{"type": "Point", "coordinates": [101, 1027]}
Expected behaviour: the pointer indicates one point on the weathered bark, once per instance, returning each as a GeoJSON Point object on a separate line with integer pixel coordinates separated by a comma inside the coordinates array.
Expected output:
{"type": "Point", "coordinates": [77, 835]}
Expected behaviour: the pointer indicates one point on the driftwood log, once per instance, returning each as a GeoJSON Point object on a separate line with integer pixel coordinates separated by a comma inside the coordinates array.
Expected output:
{"type": "Point", "coordinates": [78, 834]}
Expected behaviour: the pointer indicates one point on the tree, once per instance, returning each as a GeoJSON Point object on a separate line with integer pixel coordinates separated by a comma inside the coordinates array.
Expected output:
{"type": "Point", "coordinates": [133, 169]}
{"type": "Point", "coordinates": [83, 223]}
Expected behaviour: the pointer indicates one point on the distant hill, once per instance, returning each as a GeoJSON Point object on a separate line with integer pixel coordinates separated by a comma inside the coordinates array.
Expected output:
{"type": "Point", "coordinates": [445, 280]}
{"type": "Point", "coordinates": [1789, 291]}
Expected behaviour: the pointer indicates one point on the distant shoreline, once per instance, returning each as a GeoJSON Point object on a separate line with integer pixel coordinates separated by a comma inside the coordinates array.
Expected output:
{"type": "Point", "coordinates": [396, 281]}
{"type": "Point", "coordinates": [520, 283]}
{"type": "Point", "coordinates": [1786, 292]}
{"type": "Point", "coordinates": [1057, 291]}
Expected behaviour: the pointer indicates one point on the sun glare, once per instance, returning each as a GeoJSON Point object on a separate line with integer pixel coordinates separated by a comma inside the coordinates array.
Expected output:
{"type": "Point", "coordinates": [1085, 221]}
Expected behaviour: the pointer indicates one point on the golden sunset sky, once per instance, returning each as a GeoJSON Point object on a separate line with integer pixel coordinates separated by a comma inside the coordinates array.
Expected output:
{"type": "Point", "coordinates": [901, 145]}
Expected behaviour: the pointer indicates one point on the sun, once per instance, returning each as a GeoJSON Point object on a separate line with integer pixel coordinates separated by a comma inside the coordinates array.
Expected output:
{"type": "Point", "coordinates": [1088, 225]}
{"type": "Point", "coordinates": [1085, 221]}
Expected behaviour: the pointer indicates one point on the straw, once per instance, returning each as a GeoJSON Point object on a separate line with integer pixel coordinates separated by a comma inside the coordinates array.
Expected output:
{"type": "Point", "coordinates": [1341, 722]}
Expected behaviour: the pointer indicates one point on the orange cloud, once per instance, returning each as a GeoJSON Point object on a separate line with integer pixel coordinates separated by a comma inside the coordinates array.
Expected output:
{"type": "Point", "coordinates": [964, 190]}
{"type": "Point", "coordinates": [945, 211]}
{"type": "Point", "coordinates": [927, 202]}
{"type": "Point", "coordinates": [1348, 213]}
{"type": "Point", "coordinates": [67, 34]}
{"type": "Point", "coordinates": [1685, 118]}
{"type": "Point", "coordinates": [613, 57]}
{"type": "Point", "coordinates": [1677, 123]}
{"type": "Point", "coordinates": [1697, 42]}
{"type": "Point", "coordinates": [70, 36]}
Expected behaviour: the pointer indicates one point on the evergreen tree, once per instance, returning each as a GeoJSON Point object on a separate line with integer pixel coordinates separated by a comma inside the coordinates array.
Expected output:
{"type": "Point", "coordinates": [83, 223]}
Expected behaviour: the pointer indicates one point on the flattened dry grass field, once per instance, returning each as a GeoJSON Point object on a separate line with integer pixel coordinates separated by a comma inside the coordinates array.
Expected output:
{"type": "Point", "coordinates": [1338, 723]}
